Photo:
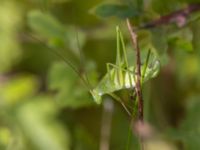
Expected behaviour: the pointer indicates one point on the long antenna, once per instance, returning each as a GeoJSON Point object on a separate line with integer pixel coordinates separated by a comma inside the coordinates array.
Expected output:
{"type": "Point", "coordinates": [53, 50]}
{"type": "Point", "coordinates": [82, 58]}
{"type": "Point", "coordinates": [67, 62]}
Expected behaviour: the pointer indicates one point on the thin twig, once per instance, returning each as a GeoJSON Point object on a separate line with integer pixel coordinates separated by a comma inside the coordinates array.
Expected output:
{"type": "Point", "coordinates": [138, 70]}
{"type": "Point", "coordinates": [174, 17]}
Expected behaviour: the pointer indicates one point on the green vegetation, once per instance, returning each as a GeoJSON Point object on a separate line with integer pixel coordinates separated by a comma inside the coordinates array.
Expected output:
{"type": "Point", "coordinates": [69, 78]}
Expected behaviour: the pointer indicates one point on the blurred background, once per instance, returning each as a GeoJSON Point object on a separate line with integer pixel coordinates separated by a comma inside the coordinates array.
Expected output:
{"type": "Point", "coordinates": [44, 105]}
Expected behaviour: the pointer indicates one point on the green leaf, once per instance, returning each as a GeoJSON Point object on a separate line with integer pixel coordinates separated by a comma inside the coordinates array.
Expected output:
{"type": "Point", "coordinates": [10, 50]}
{"type": "Point", "coordinates": [121, 11]}
{"type": "Point", "coordinates": [71, 91]}
{"type": "Point", "coordinates": [5, 137]}
{"type": "Point", "coordinates": [185, 45]}
{"type": "Point", "coordinates": [46, 25]}
{"type": "Point", "coordinates": [18, 89]}
{"type": "Point", "coordinates": [36, 119]}
{"type": "Point", "coordinates": [159, 40]}
{"type": "Point", "coordinates": [56, 34]}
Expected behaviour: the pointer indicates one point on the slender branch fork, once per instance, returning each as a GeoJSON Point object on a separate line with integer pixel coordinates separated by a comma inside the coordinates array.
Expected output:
{"type": "Point", "coordinates": [138, 70]}
{"type": "Point", "coordinates": [162, 20]}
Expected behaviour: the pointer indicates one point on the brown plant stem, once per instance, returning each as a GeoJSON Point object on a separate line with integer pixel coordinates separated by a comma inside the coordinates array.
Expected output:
{"type": "Point", "coordinates": [173, 17]}
{"type": "Point", "coordinates": [138, 70]}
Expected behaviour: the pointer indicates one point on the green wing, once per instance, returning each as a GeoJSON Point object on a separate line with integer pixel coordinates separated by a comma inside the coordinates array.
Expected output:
{"type": "Point", "coordinates": [110, 84]}
{"type": "Point", "coordinates": [122, 76]}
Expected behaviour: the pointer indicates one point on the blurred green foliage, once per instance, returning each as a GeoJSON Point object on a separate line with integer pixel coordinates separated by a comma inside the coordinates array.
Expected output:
{"type": "Point", "coordinates": [44, 105]}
